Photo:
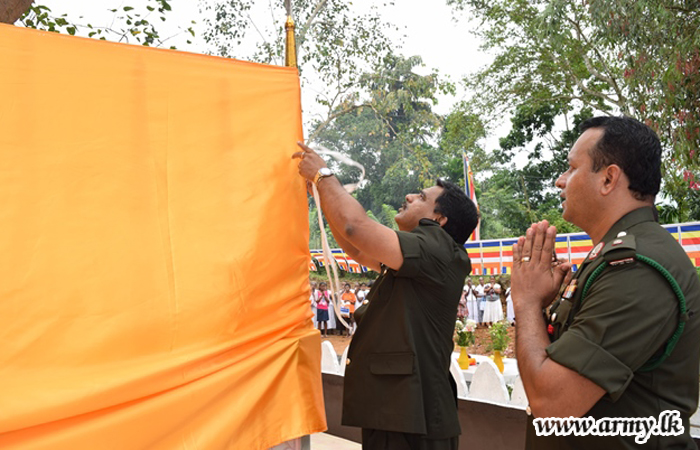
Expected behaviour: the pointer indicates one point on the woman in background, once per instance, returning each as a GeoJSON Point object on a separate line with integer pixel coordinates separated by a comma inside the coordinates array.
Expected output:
{"type": "Point", "coordinates": [323, 301]}
{"type": "Point", "coordinates": [493, 309]}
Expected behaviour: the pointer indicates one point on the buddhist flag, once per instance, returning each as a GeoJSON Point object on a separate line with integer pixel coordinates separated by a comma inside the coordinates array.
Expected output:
{"type": "Point", "coordinates": [471, 193]}
{"type": "Point", "coordinates": [144, 192]}
{"type": "Point", "coordinates": [691, 241]}
{"type": "Point", "coordinates": [318, 256]}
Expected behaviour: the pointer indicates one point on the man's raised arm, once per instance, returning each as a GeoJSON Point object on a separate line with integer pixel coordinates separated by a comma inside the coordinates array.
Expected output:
{"type": "Point", "coordinates": [368, 242]}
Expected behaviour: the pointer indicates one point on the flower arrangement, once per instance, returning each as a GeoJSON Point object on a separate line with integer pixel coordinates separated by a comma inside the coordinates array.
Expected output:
{"type": "Point", "coordinates": [464, 333]}
{"type": "Point", "coordinates": [499, 336]}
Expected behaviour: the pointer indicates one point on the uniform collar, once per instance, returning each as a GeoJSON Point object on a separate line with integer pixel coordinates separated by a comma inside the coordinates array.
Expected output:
{"type": "Point", "coordinates": [428, 222]}
{"type": "Point", "coordinates": [644, 214]}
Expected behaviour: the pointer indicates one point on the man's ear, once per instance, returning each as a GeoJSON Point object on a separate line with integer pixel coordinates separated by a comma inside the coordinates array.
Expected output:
{"type": "Point", "coordinates": [442, 220]}
{"type": "Point", "coordinates": [613, 177]}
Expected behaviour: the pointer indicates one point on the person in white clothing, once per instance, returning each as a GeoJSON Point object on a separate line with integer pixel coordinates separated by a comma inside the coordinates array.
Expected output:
{"type": "Point", "coordinates": [510, 312]}
{"type": "Point", "coordinates": [472, 303]}
{"type": "Point", "coordinates": [361, 294]}
{"type": "Point", "coordinates": [480, 293]}
{"type": "Point", "coordinates": [493, 310]}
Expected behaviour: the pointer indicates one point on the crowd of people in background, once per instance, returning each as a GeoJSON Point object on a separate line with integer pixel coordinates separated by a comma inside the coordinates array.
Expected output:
{"type": "Point", "coordinates": [326, 318]}
{"type": "Point", "coordinates": [484, 303]}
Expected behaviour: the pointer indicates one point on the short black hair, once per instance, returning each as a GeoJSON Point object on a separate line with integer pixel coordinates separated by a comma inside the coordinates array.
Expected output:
{"type": "Point", "coordinates": [631, 145]}
{"type": "Point", "coordinates": [460, 211]}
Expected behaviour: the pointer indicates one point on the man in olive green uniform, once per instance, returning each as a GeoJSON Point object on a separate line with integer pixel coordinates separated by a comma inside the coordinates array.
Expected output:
{"type": "Point", "coordinates": [622, 339]}
{"type": "Point", "coordinates": [397, 382]}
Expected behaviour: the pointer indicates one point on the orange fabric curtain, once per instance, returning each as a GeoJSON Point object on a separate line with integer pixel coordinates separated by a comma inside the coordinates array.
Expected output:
{"type": "Point", "coordinates": [153, 250]}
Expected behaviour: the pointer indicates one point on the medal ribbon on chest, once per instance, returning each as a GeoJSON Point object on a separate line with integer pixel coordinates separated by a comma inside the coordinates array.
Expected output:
{"type": "Point", "coordinates": [570, 289]}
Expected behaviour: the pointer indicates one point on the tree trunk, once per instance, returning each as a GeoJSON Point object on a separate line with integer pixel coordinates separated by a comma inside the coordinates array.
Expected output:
{"type": "Point", "coordinates": [11, 10]}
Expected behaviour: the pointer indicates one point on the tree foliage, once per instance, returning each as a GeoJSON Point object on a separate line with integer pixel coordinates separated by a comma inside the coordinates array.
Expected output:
{"type": "Point", "coordinates": [392, 133]}
{"type": "Point", "coordinates": [138, 24]}
{"type": "Point", "coordinates": [512, 198]}
{"type": "Point", "coordinates": [658, 46]}
{"type": "Point", "coordinates": [462, 132]}
{"type": "Point", "coordinates": [635, 57]}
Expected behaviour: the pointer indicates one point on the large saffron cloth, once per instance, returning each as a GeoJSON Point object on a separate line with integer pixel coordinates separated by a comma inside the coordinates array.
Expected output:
{"type": "Point", "coordinates": [153, 250]}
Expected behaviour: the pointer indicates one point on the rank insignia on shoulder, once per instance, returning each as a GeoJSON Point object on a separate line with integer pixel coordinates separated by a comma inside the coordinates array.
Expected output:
{"type": "Point", "coordinates": [622, 261]}
{"type": "Point", "coordinates": [594, 253]}
{"type": "Point", "coordinates": [570, 289]}
{"type": "Point", "coordinates": [620, 250]}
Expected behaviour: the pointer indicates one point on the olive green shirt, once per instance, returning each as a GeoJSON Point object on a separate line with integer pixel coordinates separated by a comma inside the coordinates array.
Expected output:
{"type": "Point", "coordinates": [627, 317]}
{"type": "Point", "coordinates": [397, 377]}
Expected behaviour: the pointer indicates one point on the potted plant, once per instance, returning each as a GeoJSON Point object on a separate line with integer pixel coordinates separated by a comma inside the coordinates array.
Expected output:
{"type": "Point", "coordinates": [464, 337]}
{"type": "Point", "coordinates": [499, 341]}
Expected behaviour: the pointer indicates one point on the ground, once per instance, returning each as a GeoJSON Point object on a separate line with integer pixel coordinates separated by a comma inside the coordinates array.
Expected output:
{"type": "Point", "coordinates": [479, 348]}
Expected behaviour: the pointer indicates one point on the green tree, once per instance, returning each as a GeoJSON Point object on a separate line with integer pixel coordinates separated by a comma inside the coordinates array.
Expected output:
{"type": "Point", "coordinates": [314, 230]}
{"type": "Point", "coordinates": [386, 217]}
{"type": "Point", "coordinates": [658, 47]}
{"type": "Point", "coordinates": [503, 213]}
{"type": "Point", "coordinates": [512, 198]}
{"type": "Point", "coordinates": [462, 133]}
{"type": "Point", "coordinates": [639, 58]}
{"type": "Point", "coordinates": [391, 134]}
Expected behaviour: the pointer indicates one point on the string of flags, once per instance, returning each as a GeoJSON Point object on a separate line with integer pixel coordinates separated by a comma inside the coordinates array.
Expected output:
{"type": "Point", "coordinates": [495, 256]}
{"type": "Point", "coordinates": [345, 262]}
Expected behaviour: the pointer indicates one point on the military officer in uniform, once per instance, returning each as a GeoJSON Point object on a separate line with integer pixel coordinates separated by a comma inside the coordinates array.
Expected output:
{"type": "Point", "coordinates": [398, 388]}
{"type": "Point", "coordinates": [622, 338]}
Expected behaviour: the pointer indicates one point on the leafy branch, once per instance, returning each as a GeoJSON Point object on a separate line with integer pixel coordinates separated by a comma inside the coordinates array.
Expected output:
{"type": "Point", "coordinates": [138, 25]}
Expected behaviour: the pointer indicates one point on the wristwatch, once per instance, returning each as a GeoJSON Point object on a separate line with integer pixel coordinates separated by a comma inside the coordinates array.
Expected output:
{"type": "Point", "coordinates": [322, 173]}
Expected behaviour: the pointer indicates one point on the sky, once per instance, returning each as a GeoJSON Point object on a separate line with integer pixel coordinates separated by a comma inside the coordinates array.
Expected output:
{"type": "Point", "coordinates": [443, 43]}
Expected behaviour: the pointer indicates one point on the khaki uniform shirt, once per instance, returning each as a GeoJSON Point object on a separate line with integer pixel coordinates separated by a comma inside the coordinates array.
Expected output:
{"type": "Point", "coordinates": [397, 375]}
{"type": "Point", "coordinates": [626, 318]}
